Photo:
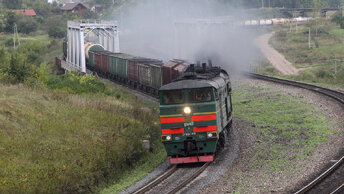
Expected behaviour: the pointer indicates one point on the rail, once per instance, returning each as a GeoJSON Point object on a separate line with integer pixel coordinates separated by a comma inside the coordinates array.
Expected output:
{"type": "Point", "coordinates": [335, 94]}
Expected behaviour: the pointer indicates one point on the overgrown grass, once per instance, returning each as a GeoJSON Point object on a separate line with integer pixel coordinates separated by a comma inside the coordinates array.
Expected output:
{"type": "Point", "coordinates": [287, 127]}
{"type": "Point", "coordinates": [317, 63]}
{"type": "Point", "coordinates": [54, 142]}
{"type": "Point", "coordinates": [138, 171]}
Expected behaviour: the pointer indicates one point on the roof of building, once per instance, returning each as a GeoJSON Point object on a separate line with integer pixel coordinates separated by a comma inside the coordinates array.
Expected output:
{"type": "Point", "coordinates": [27, 12]}
{"type": "Point", "coordinates": [71, 6]}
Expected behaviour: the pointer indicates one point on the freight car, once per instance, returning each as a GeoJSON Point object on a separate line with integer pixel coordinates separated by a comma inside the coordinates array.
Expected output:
{"type": "Point", "coordinates": [196, 114]}
{"type": "Point", "coordinates": [141, 73]}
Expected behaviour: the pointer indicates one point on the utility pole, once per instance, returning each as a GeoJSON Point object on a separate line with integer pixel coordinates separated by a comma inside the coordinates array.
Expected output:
{"type": "Point", "coordinates": [309, 38]}
{"type": "Point", "coordinates": [15, 33]}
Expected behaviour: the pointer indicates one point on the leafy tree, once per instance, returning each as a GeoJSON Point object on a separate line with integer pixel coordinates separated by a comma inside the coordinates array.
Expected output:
{"type": "Point", "coordinates": [339, 19]}
{"type": "Point", "coordinates": [104, 2]}
{"type": "Point", "coordinates": [90, 15]}
{"type": "Point", "coordinates": [56, 27]}
{"type": "Point", "coordinates": [13, 4]}
{"type": "Point", "coordinates": [26, 24]}
{"type": "Point", "coordinates": [10, 18]}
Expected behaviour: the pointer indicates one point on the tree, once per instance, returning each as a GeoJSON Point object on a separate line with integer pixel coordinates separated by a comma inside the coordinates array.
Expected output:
{"type": "Point", "coordinates": [10, 18]}
{"type": "Point", "coordinates": [56, 27]}
{"type": "Point", "coordinates": [13, 4]}
{"type": "Point", "coordinates": [26, 24]}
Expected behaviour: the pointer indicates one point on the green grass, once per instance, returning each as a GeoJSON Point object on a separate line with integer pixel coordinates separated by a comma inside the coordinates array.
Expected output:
{"type": "Point", "coordinates": [54, 142]}
{"type": "Point", "coordinates": [318, 62]}
{"type": "Point", "coordinates": [141, 169]}
{"type": "Point", "coordinates": [288, 129]}
{"type": "Point", "coordinates": [337, 32]}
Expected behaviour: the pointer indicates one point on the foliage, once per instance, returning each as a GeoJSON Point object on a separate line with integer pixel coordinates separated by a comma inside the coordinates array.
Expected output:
{"type": "Point", "coordinates": [32, 50]}
{"type": "Point", "coordinates": [25, 24]}
{"type": "Point", "coordinates": [18, 70]}
{"type": "Point", "coordinates": [12, 4]}
{"type": "Point", "coordinates": [76, 84]}
{"type": "Point", "coordinates": [54, 142]}
{"type": "Point", "coordinates": [44, 9]}
{"type": "Point", "coordinates": [10, 18]}
{"type": "Point", "coordinates": [56, 27]}
{"type": "Point", "coordinates": [338, 19]}
{"type": "Point", "coordinates": [317, 63]}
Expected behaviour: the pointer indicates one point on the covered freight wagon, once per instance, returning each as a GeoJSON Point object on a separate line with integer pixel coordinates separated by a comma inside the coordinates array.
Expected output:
{"type": "Point", "coordinates": [172, 69]}
{"type": "Point", "coordinates": [119, 65]}
{"type": "Point", "coordinates": [133, 72]}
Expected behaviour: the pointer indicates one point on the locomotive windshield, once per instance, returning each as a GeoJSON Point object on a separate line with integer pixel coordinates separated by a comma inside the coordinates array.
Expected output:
{"type": "Point", "coordinates": [200, 95]}
{"type": "Point", "coordinates": [173, 97]}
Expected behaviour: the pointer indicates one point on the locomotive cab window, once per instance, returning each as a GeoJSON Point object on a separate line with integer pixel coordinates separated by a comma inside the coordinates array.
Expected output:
{"type": "Point", "coordinates": [173, 97]}
{"type": "Point", "coordinates": [201, 95]}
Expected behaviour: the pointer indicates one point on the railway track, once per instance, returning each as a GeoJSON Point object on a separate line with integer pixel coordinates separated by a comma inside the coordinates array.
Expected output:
{"type": "Point", "coordinates": [335, 94]}
{"type": "Point", "coordinates": [332, 179]}
{"type": "Point", "coordinates": [183, 176]}
{"type": "Point", "coordinates": [324, 183]}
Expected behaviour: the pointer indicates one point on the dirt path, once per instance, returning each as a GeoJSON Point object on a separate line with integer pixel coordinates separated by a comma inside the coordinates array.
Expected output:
{"type": "Point", "coordinates": [275, 58]}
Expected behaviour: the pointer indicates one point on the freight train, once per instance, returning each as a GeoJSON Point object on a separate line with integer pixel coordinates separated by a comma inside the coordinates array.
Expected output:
{"type": "Point", "coordinates": [195, 100]}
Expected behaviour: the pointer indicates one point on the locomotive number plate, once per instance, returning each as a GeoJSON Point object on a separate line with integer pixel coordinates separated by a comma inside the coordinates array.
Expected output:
{"type": "Point", "coordinates": [188, 124]}
{"type": "Point", "coordinates": [189, 134]}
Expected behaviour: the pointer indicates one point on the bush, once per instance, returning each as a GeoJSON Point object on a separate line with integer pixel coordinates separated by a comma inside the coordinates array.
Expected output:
{"type": "Point", "coordinates": [33, 50]}
{"type": "Point", "coordinates": [76, 84]}
{"type": "Point", "coordinates": [18, 70]}
{"type": "Point", "coordinates": [338, 19]}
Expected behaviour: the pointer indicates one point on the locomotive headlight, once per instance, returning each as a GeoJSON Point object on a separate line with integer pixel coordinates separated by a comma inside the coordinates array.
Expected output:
{"type": "Point", "coordinates": [187, 110]}
{"type": "Point", "coordinates": [166, 138]}
{"type": "Point", "coordinates": [212, 134]}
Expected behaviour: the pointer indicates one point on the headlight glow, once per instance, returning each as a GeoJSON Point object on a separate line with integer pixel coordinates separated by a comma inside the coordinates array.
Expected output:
{"type": "Point", "coordinates": [168, 137]}
{"type": "Point", "coordinates": [187, 110]}
{"type": "Point", "coordinates": [210, 135]}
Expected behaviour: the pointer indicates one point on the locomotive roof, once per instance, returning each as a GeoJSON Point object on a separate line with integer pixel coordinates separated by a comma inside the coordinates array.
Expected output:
{"type": "Point", "coordinates": [212, 78]}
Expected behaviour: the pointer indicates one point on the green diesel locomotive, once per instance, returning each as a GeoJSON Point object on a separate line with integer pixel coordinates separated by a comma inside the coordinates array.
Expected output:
{"type": "Point", "coordinates": [196, 114]}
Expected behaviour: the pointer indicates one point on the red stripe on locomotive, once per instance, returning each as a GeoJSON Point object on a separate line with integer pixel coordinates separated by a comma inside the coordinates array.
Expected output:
{"type": "Point", "coordinates": [204, 117]}
{"type": "Point", "coordinates": [172, 120]}
{"type": "Point", "coordinates": [172, 131]}
{"type": "Point", "coordinates": [205, 128]}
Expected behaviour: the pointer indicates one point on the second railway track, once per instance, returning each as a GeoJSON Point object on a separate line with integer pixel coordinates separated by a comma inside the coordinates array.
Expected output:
{"type": "Point", "coordinates": [335, 94]}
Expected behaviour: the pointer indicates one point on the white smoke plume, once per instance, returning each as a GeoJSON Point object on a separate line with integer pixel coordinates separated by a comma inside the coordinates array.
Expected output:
{"type": "Point", "coordinates": [186, 29]}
